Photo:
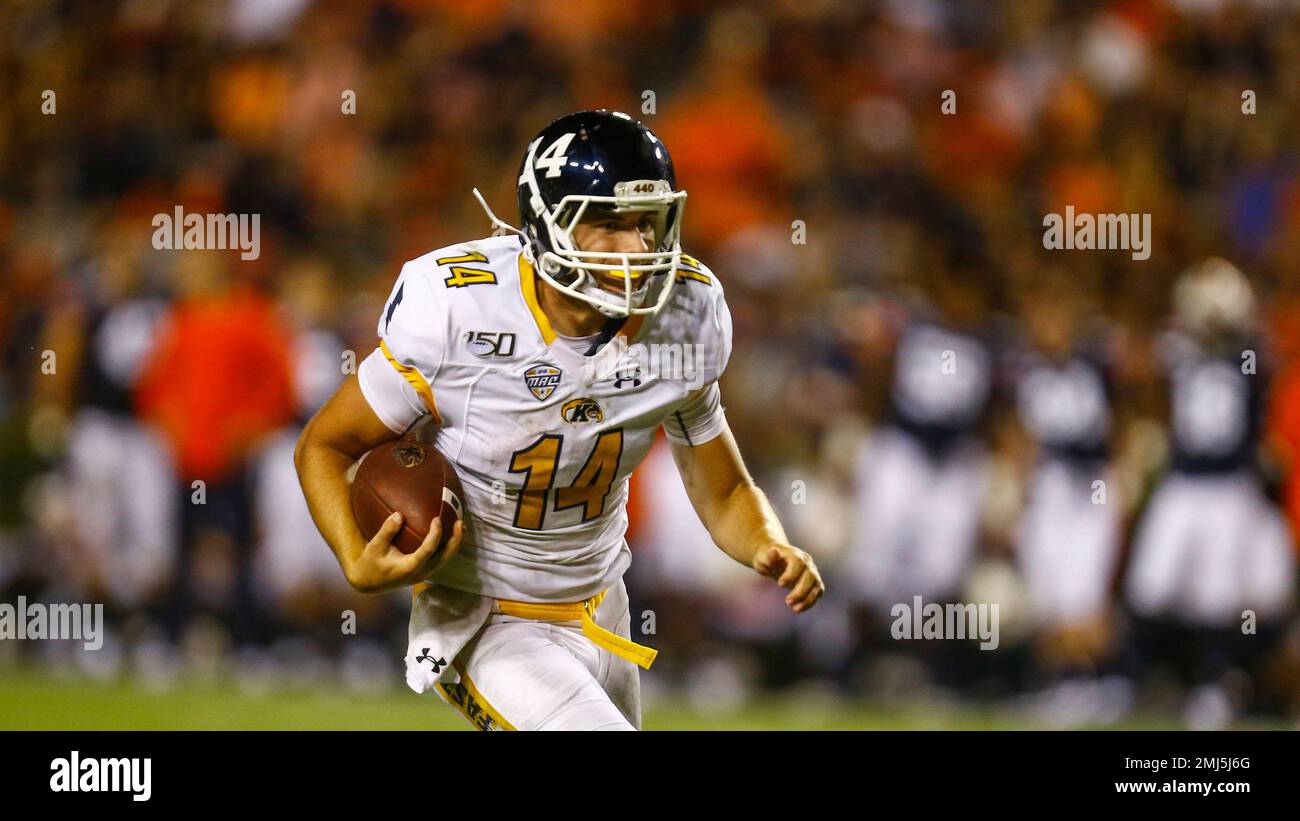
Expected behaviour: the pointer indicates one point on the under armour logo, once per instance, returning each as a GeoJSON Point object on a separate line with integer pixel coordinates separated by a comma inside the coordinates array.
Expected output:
{"type": "Point", "coordinates": [632, 375]}
{"type": "Point", "coordinates": [438, 664]}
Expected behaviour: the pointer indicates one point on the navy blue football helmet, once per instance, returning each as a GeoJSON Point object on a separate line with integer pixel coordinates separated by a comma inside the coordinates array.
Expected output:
{"type": "Point", "coordinates": [601, 161]}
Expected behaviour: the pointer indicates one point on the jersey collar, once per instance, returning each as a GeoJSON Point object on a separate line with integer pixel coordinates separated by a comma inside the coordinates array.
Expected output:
{"type": "Point", "coordinates": [528, 288]}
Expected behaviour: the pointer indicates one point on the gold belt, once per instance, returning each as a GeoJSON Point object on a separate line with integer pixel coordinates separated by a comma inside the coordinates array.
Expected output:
{"type": "Point", "coordinates": [584, 611]}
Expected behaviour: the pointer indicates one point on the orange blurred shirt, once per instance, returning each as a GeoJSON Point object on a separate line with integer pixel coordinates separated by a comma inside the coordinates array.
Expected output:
{"type": "Point", "coordinates": [218, 381]}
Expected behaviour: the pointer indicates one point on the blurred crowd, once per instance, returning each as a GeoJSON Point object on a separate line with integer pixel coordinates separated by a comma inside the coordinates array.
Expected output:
{"type": "Point", "coordinates": [937, 405]}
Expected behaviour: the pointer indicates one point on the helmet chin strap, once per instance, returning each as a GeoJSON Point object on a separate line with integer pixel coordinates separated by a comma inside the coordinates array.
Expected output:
{"type": "Point", "coordinates": [500, 223]}
{"type": "Point", "coordinates": [588, 287]}
{"type": "Point", "coordinates": [599, 298]}
{"type": "Point", "coordinates": [597, 303]}
{"type": "Point", "coordinates": [584, 287]}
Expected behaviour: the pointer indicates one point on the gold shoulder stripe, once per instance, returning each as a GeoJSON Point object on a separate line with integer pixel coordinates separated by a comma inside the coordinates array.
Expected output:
{"type": "Point", "coordinates": [412, 375]}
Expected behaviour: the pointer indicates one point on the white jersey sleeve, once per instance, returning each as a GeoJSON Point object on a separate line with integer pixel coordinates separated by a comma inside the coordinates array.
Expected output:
{"type": "Point", "coordinates": [700, 418]}
{"type": "Point", "coordinates": [396, 377]}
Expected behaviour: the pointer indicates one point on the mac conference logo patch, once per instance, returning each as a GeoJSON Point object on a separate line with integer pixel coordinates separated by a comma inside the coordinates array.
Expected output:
{"type": "Point", "coordinates": [542, 380]}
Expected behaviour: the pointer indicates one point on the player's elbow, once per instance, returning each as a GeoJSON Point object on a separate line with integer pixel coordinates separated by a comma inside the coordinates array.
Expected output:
{"type": "Point", "coordinates": [300, 452]}
{"type": "Point", "coordinates": [302, 449]}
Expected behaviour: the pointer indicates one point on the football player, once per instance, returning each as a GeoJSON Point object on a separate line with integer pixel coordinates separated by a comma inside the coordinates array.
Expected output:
{"type": "Point", "coordinates": [922, 477]}
{"type": "Point", "coordinates": [547, 357]}
{"type": "Point", "coordinates": [1212, 552]}
{"type": "Point", "coordinates": [1068, 537]}
{"type": "Point", "coordinates": [921, 480]}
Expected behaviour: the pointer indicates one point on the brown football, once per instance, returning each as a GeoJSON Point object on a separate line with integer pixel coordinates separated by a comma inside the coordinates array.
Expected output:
{"type": "Point", "coordinates": [414, 479]}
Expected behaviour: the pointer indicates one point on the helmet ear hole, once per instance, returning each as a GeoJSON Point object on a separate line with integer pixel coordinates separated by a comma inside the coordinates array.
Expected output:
{"type": "Point", "coordinates": [564, 217]}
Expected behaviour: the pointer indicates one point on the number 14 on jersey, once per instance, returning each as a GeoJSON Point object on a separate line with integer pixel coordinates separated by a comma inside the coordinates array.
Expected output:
{"type": "Point", "coordinates": [590, 487]}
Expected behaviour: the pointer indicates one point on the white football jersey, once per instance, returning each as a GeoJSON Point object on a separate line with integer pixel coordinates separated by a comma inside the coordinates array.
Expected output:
{"type": "Point", "coordinates": [542, 436]}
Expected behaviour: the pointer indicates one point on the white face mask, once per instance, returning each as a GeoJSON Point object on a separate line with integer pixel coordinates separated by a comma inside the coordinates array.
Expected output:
{"type": "Point", "coordinates": [648, 276]}
{"type": "Point", "coordinates": [654, 271]}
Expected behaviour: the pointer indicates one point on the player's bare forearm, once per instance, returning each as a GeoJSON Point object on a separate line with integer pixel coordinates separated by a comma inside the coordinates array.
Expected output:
{"type": "Point", "coordinates": [732, 507]}
{"type": "Point", "coordinates": [326, 450]}
{"type": "Point", "coordinates": [339, 434]}
{"type": "Point", "coordinates": [740, 519]}
{"type": "Point", "coordinates": [322, 470]}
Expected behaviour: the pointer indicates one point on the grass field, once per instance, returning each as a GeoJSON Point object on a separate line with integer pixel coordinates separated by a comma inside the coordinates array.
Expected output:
{"type": "Point", "coordinates": [36, 701]}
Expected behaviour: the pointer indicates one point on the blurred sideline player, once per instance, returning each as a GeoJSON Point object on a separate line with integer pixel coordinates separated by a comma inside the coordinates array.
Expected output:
{"type": "Point", "coordinates": [298, 580]}
{"type": "Point", "coordinates": [922, 475]}
{"type": "Point", "coordinates": [525, 350]}
{"type": "Point", "coordinates": [215, 411]}
{"type": "Point", "coordinates": [121, 472]}
{"type": "Point", "coordinates": [1211, 545]}
{"type": "Point", "coordinates": [1067, 541]}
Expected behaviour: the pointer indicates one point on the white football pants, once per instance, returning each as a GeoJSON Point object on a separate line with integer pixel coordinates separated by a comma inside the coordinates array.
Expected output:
{"type": "Point", "coordinates": [526, 674]}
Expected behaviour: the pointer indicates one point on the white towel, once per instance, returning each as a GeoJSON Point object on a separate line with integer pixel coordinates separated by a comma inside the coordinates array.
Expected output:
{"type": "Point", "coordinates": [443, 621]}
